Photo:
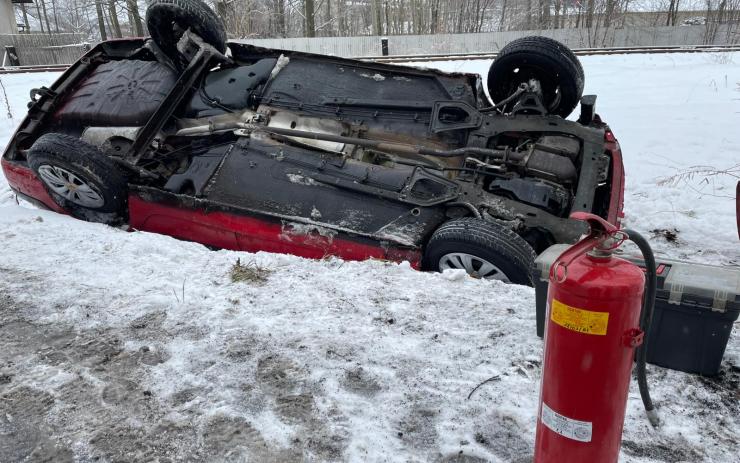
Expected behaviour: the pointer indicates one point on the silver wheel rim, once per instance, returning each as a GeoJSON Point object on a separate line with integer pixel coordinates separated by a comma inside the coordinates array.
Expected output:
{"type": "Point", "coordinates": [70, 186]}
{"type": "Point", "coordinates": [473, 265]}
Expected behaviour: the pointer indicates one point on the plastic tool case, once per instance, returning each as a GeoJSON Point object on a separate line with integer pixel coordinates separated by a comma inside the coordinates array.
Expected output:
{"type": "Point", "coordinates": [695, 308]}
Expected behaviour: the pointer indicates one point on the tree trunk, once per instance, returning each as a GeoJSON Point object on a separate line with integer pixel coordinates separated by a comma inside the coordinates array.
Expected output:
{"type": "Point", "coordinates": [26, 27]}
{"type": "Point", "coordinates": [434, 20]}
{"type": "Point", "coordinates": [503, 16]}
{"type": "Point", "coordinates": [590, 12]}
{"type": "Point", "coordinates": [387, 18]}
{"type": "Point", "coordinates": [280, 18]}
{"type": "Point", "coordinates": [116, 27]}
{"type": "Point", "coordinates": [670, 11]}
{"type": "Point", "coordinates": [675, 13]}
{"type": "Point", "coordinates": [482, 18]}
{"type": "Point", "coordinates": [54, 13]}
{"type": "Point", "coordinates": [608, 13]}
{"type": "Point", "coordinates": [101, 20]}
{"type": "Point", "coordinates": [545, 13]}
{"type": "Point", "coordinates": [137, 27]}
{"type": "Point", "coordinates": [310, 19]}
{"type": "Point", "coordinates": [329, 19]}
{"type": "Point", "coordinates": [460, 16]}
{"type": "Point", "coordinates": [342, 14]}
{"type": "Point", "coordinates": [46, 16]}
{"type": "Point", "coordinates": [38, 12]}
{"type": "Point", "coordinates": [377, 15]}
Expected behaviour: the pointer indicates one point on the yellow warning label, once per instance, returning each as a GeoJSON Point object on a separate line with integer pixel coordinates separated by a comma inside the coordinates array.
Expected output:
{"type": "Point", "coordinates": [583, 321]}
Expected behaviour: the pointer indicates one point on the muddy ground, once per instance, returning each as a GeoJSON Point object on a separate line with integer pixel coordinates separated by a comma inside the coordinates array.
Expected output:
{"type": "Point", "coordinates": [103, 414]}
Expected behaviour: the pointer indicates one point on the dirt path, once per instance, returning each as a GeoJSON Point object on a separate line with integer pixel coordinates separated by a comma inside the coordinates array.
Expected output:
{"type": "Point", "coordinates": [100, 400]}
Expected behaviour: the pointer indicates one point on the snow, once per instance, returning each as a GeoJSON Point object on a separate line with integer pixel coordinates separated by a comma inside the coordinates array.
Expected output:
{"type": "Point", "coordinates": [282, 61]}
{"type": "Point", "coordinates": [124, 346]}
{"type": "Point", "coordinates": [376, 77]}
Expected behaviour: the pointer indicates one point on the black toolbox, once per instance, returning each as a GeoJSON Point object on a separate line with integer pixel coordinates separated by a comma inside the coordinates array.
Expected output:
{"type": "Point", "coordinates": [695, 308]}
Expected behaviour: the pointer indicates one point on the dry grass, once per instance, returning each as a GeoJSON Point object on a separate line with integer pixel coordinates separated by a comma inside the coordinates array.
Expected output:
{"type": "Point", "coordinates": [250, 272]}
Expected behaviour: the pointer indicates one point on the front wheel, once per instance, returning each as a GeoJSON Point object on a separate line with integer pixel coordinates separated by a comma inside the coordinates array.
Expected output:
{"type": "Point", "coordinates": [483, 249]}
{"type": "Point", "coordinates": [79, 177]}
{"type": "Point", "coordinates": [545, 60]}
{"type": "Point", "coordinates": [167, 20]}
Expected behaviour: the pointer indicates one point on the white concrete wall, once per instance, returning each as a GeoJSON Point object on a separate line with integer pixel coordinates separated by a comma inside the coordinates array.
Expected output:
{"type": "Point", "coordinates": [489, 42]}
{"type": "Point", "coordinates": [7, 18]}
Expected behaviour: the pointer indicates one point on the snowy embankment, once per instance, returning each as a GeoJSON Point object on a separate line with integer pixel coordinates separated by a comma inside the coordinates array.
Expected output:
{"type": "Point", "coordinates": [133, 346]}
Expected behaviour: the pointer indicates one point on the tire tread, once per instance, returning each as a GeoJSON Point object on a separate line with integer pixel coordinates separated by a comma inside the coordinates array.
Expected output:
{"type": "Point", "coordinates": [551, 51]}
{"type": "Point", "coordinates": [497, 238]}
{"type": "Point", "coordinates": [213, 31]}
{"type": "Point", "coordinates": [71, 150]}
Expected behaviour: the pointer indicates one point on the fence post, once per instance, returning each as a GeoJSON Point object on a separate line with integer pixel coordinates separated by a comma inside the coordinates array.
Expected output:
{"type": "Point", "coordinates": [12, 56]}
{"type": "Point", "coordinates": [384, 46]}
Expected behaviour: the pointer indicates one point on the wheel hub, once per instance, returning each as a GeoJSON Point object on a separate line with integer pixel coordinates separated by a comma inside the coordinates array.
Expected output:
{"type": "Point", "coordinates": [475, 266]}
{"type": "Point", "coordinates": [70, 186]}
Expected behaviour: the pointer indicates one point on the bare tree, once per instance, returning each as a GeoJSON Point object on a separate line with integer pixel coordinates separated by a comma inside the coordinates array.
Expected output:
{"type": "Point", "coordinates": [46, 17]}
{"type": "Point", "coordinates": [280, 15]}
{"type": "Point", "coordinates": [26, 27]}
{"type": "Point", "coordinates": [113, 14]}
{"type": "Point", "coordinates": [137, 29]}
{"type": "Point", "coordinates": [101, 19]}
{"type": "Point", "coordinates": [309, 12]}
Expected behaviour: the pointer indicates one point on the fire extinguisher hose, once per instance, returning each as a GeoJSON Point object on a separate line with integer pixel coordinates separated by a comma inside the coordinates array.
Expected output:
{"type": "Point", "coordinates": [646, 318]}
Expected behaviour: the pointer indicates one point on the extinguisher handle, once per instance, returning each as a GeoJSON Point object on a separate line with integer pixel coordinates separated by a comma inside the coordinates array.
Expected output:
{"type": "Point", "coordinates": [599, 230]}
{"type": "Point", "coordinates": [597, 225]}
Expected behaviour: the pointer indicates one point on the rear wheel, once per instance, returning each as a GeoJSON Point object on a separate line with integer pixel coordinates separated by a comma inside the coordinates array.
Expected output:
{"type": "Point", "coordinates": [548, 61]}
{"type": "Point", "coordinates": [167, 20]}
{"type": "Point", "coordinates": [80, 178]}
{"type": "Point", "coordinates": [483, 249]}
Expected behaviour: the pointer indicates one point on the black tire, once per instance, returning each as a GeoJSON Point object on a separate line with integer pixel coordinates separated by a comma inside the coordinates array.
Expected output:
{"type": "Point", "coordinates": [555, 66]}
{"type": "Point", "coordinates": [59, 153]}
{"type": "Point", "coordinates": [163, 15]}
{"type": "Point", "coordinates": [567, 52]}
{"type": "Point", "coordinates": [489, 241]}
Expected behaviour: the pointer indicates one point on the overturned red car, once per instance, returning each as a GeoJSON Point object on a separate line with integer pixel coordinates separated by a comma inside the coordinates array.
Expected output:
{"type": "Point", "coordinates": [246, 148]}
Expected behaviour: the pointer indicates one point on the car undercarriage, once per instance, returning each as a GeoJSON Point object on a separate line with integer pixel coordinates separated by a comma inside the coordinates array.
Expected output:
{"type": "Point", "coordinates": [320, 147]}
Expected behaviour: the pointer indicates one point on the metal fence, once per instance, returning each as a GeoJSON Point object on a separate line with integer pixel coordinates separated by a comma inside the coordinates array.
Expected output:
{"type": "Point", "coordinates": [487, 42]}
{"type": "Point", "coordinates": [41, 49]}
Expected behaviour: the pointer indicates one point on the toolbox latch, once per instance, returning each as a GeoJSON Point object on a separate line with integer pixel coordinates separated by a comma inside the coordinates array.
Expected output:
{"type": "Point", "coordinates": [719, 302]}
{"type": "Point", "coordinates": [675, 295]}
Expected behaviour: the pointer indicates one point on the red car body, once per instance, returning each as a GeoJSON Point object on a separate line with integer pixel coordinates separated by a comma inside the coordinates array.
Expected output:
{"type": "Point", "coordinates": [198, 221]}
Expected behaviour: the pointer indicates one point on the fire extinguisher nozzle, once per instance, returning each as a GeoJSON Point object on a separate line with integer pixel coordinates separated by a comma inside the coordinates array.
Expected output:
{"type": "Point", "coordinates": [653, 417]}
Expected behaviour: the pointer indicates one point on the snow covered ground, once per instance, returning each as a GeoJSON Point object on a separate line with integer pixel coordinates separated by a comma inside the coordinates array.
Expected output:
{"type": "Point", "coordinates": [124, 346]}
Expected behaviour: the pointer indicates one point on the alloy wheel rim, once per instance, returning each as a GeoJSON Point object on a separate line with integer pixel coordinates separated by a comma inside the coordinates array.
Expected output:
{"type": "Point", "coordinates": [70, 186]}
{"type": "Point", "coordinates": [475, 266]}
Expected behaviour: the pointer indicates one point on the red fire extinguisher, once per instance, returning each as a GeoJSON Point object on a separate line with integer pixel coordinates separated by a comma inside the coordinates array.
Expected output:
{"type": "Point", "coordinates": [598, 309]}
